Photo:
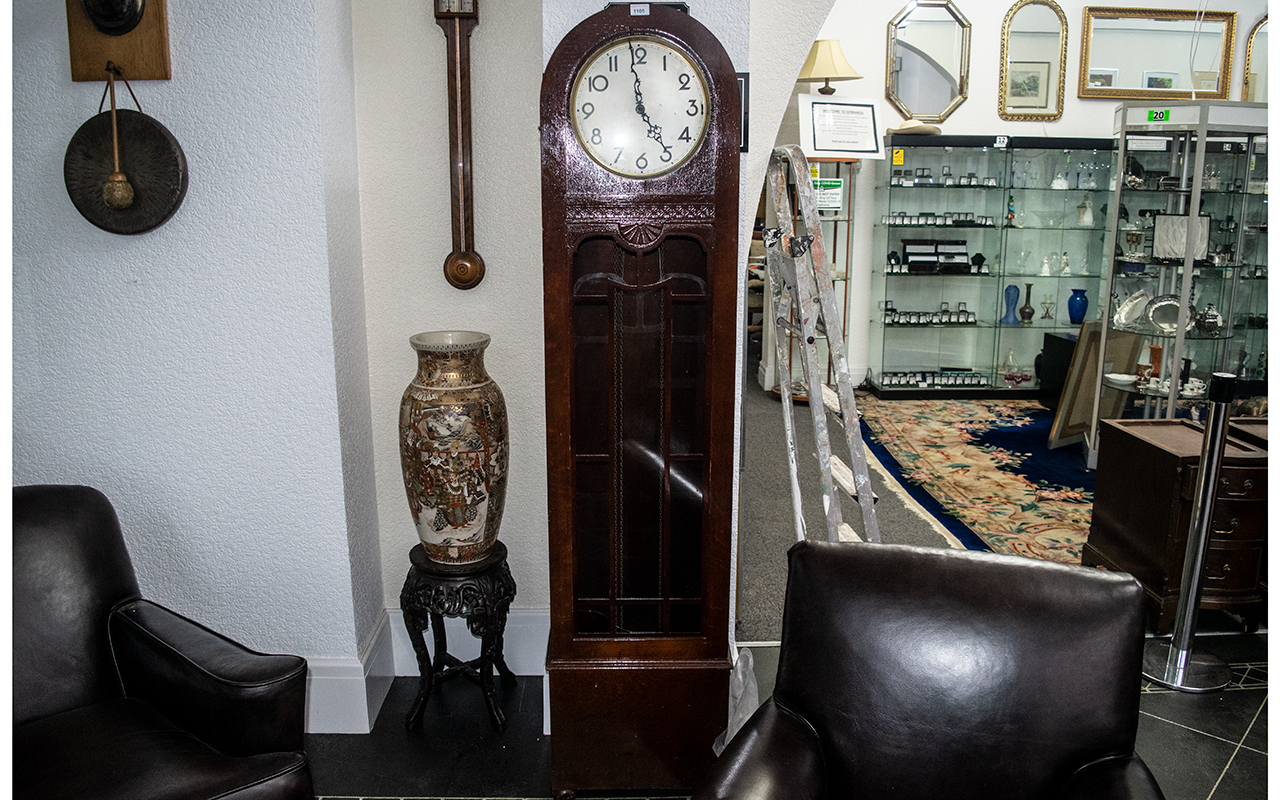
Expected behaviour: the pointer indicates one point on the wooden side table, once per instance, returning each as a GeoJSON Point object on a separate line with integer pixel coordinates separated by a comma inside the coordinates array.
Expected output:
{"type": "Point", "coordinates": [1142, 507]}
{"type": "Point", "coordinates": [481, 593]}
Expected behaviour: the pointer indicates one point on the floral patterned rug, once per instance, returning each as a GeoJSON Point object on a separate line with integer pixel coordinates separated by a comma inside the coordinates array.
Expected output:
{"type": "Point", "coordinates": [984, 469]}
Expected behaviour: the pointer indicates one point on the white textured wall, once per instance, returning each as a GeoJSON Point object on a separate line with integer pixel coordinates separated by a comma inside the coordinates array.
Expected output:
{"type": "Point", "coordinates": [189, 372]}
{"type": "Point", "coordinates": [335, 77]}
{"type": "Point", "coordinates": [404, 166]}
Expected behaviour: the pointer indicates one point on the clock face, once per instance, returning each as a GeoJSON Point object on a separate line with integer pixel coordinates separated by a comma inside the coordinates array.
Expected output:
{"type": "Point", "coordinates": [639, 106]}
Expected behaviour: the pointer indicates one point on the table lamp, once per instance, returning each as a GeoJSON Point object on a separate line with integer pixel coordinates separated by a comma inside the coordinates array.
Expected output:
{"type": "Point", "coordinates": [826, 62]}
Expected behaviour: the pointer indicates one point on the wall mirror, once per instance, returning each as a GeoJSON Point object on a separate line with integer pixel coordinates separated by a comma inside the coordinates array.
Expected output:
{"type": "Point", "coordinates": [1147, 53]}
{"type": "Point", "coordinates": [1255, 65]}
{"type": "Point", "coordinates": [1033, 60]}
{"type": "Point", "coordinates": [927, 72]}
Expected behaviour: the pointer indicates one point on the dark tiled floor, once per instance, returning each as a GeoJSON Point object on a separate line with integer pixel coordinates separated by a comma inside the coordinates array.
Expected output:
{"type": "Point", "coordinates": [1199, 746]}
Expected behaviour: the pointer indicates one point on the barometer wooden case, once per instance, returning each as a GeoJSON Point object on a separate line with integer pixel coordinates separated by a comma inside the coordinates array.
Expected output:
{"type": "Point", "coordinates": [640, 138]}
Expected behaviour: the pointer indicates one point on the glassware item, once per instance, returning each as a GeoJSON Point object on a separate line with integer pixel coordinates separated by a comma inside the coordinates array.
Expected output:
{"type": "Point", "coordinates": [1010, 306]}
{"type": "Point", "coordinates": [1028, 312]}
{"type": "Point", "coordinates": [1077, 306]}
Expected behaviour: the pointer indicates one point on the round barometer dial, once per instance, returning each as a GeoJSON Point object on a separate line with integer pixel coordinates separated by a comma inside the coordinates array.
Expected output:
{"type": "Point", "coordinates": [639, 106]}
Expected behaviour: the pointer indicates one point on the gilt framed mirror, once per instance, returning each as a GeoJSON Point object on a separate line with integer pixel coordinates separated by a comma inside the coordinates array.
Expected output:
{"type": "Point", "coordinates": [927, 71]}
{"type": "Point", "coordinates": [1033, 61]}
{"type": "Point", "coordinates": [1146, 53]}
{"type": "Point", "coordinates": [1254, 89]}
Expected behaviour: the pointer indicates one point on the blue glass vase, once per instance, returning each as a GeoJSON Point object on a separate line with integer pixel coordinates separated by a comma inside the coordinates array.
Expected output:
{"type": "Point", "coordinates": [1010, 306]}
{"type": "Point", "coordinates": [1077, 305]}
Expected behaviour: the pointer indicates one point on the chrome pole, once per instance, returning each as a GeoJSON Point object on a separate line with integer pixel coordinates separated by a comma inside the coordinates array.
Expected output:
{"type": "Point", "coordinates": [1172, 663]}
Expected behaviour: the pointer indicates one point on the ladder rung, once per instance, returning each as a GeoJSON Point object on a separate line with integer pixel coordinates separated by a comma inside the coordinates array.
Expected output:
{"type": "Point", "coordinates": [848, 534]}
{"type": "Point", "coordinates": [830, 399]}
{"type": "Point", "coordinates": [843, 476]}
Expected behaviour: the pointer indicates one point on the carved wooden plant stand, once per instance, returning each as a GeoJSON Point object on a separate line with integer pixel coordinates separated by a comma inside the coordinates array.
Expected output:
{"type": "Point", "coordinates": [481, 593]}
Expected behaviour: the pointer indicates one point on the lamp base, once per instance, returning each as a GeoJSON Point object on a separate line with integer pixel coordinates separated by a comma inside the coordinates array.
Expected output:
{"type": "Point", "coordinates": [827, 88]}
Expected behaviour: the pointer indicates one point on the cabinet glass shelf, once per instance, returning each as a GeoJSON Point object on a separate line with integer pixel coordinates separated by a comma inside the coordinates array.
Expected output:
{"type": "Point", "coordinates": [1204, 161]}
{"type": "Point", "coordinates": [1045, 226]}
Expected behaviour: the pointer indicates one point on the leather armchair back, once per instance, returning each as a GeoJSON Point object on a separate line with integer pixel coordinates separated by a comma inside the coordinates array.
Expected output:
{"type": "Point", "coordinates": [933, 673]}
{"type": "Point", "coordinates": [70, 567]}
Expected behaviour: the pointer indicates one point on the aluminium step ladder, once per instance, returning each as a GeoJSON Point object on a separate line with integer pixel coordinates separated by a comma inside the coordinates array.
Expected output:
{"type": "Point", "coordinates": [800, 279]}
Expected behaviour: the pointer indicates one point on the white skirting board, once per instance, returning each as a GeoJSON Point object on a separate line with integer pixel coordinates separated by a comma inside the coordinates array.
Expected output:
{"type": "Point", "coordinates": [344, 695]}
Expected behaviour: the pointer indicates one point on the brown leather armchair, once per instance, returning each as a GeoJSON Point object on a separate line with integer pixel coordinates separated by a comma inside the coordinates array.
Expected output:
{"type": "Point", "coordinates": [911, 672]}
{"type": "Point", "coordinates": [118, 697]}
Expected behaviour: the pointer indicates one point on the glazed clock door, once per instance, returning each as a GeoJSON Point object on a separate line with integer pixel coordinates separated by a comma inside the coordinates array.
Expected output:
{"type": "Point", "coordinates": [640, 136]}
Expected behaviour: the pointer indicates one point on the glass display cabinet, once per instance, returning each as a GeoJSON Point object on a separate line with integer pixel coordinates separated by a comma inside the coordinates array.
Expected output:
{"type": "Point", "coordinates": [985, 240]}
{"type": "Point", "coordinates": [1189, 289]}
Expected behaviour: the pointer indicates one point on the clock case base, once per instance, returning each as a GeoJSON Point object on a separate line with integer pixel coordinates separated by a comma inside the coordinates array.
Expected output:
{"type": "Point", "coordinates": [635, 725]}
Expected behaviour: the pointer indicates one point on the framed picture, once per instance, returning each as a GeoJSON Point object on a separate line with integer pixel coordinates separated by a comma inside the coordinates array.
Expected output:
{"type": "Point", "coordinates": [1028, 84]}
{"type": "Point", "coordinates": [1205, 81]}
{"type": "Point", "coordinates": [833, 128]}
{"type": "Point", "coordinates": [1074, 418]}
{"type": "Point", "coordinates": [1152, 79]}
{"type": "Point", "coordinates": [1103, 77]}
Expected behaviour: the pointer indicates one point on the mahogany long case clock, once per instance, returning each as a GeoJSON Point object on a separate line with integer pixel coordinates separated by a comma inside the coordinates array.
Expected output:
{"type": "Point", "coordinates": [640, 141]}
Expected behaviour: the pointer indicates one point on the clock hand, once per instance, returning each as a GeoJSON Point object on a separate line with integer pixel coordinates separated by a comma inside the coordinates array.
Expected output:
{"type": "Point", "coordinates": [655, 131]}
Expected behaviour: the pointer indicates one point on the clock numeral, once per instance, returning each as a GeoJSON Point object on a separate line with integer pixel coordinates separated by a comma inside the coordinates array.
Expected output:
{"type": "Point", "coordinates": [694, 109]}
{"type": "Point", "coordinates": [666, 156]}
{"type": "Point", "coordinates": [664, 63]}
{"type": "Point", "coordinates": [619, 155]}
{"type": "Point", "coordinates": [598, 83]}
{"type": "Point", "coordinates": [685, 81]}
{"type": "Point", "coordinates": [588, 109]}
{"type": "Point", "coordinates": [684, 135]}
{"type": "Point", "coordinates": [642, 162]}
{"type": "Point", "coordinates": [613, 63]}
{"type": "Point", "coordinates": [638, 56]}
{"type": "Point", "coordinates": [596, 138]}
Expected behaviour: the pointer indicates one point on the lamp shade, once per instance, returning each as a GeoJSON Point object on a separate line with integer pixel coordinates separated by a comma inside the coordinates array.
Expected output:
{"type": "Point", "coordinates": [826, 62]}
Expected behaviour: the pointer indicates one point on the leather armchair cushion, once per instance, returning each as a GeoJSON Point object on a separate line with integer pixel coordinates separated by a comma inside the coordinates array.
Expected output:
{"type": "Point", "coordinates": [123, 750]}
{"type": "Point", "coordinates": [776, 755]}
{"type": "Point", "coordinates": [1010, 673]}
{"type": "Point", "coordinates": [70, 567]}
{"type": "Point", "coordinates": [240, 701]}
{"type": "Point", "coordinates": [1114, 779]}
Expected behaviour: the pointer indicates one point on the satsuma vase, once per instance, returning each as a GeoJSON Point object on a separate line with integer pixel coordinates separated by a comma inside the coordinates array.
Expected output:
{"type": "Point", "coordinates": [453, 447]}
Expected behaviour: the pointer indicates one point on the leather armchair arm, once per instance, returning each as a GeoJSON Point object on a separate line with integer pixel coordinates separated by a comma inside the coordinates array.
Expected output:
{"type": "Point", "coordinates": [775, 756]}
{"type": "Point", "coordinates": [239, 701]}
{"type": "Point", "coordinates": [1125, 778]}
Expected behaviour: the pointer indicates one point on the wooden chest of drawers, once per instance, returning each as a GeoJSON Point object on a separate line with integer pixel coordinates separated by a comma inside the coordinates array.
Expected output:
{"type": "Point", "coordinates": [1142, 504]}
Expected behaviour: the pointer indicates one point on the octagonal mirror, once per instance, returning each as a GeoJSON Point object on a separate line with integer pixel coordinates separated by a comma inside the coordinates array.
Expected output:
{"type": "Point", "coordinates": [1033, 60]}
{"type": "Point", "coordinates": [927, 72]}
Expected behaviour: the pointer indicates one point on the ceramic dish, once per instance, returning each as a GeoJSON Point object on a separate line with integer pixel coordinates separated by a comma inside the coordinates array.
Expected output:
{"type": "Point", "coordinates": [1162, 313]}
{"type": "Point", "coordinates": [1130, 311]}
{"type": "Point", "coordinates": [1119, 377]}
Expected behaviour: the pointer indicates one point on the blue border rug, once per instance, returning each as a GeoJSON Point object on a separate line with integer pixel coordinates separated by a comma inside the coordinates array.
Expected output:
{"type": "Point", "coordinates": [984, 470]}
